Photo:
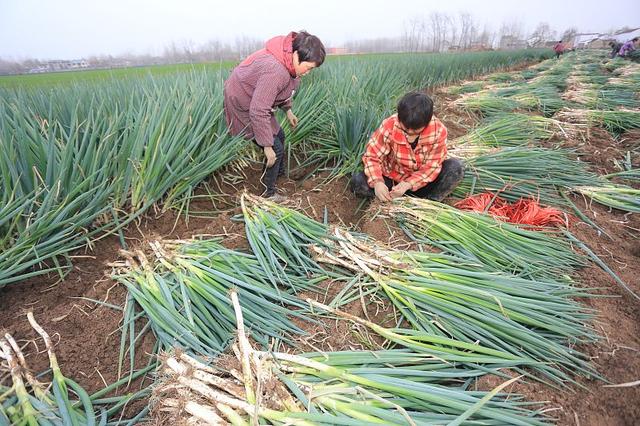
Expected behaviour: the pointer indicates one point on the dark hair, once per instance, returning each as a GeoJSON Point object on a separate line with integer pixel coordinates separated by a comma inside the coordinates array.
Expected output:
{"type": "Point", "coordinates": [309, 48]}
{"type": "Point", "coordinates": [635, 39]}
{"type": "Point", "coordinates": [415, 110]}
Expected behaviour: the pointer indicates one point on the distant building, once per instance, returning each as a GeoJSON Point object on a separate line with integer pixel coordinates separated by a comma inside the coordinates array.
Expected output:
{"type": "Point", "coordinates": [509, 42]}
{"type": "Point", "coordinates": [625, 35]}
{"type": "Point", "coordinates": [60, 65]}
{"type": "Point", "coordinates": [585, 41]}
{"type": "Point", "coordinates": [337, 51]}
{"type": "Point", "coordinates": [590, 41]}
{"type": "Point", "coordinates": [478, 45]}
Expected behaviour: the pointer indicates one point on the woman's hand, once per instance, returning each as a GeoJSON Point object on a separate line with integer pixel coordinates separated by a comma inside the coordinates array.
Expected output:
{"type": "Point", "coordinates": [400, 189]}
{"type": "Point", "coordinates": [271, 156]}
{"type": "Point", "coordinates": [382, 192]}
{"type": "Point", "coordinates": [293, 120]}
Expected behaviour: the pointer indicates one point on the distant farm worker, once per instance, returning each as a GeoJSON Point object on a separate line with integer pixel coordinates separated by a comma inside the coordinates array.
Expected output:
{"type": "Point", "coordinates": [264, 81]}
{"type": "Point", "coordinates": [406, 156]}
{"type": "Point", "coordinates": [615, 48]}
{"type": "Point", "coordinates": [628, 48]}
{"type": "Point", "coordinates": [559, 48]}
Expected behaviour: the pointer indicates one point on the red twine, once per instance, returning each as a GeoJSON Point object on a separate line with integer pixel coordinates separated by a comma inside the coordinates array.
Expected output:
{"type": "Point", "coordinates": [524, 211]}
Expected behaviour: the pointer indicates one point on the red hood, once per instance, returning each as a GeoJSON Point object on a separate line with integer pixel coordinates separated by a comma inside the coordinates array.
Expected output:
{"type": "Point", "coordinates": [282, 48]}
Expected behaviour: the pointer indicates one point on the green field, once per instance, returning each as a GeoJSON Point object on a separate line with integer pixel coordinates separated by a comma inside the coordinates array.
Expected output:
{"type": "Point", "coordinates": [52, 78]}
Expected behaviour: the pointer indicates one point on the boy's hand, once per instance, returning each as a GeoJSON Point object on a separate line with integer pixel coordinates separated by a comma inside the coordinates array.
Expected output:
{"type": "Point", "coordinates": [271, 156]}
{"type": "Point", "coordinates": [293, 120]}
{"type": "Point", "coordinates": [382, 192]}
{"type": "Point", "coordinates": [400, 189]}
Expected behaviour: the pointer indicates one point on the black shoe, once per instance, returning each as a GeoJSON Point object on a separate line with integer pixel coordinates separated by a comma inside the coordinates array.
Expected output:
{"type": "Point", "coordinates": [359, 186]}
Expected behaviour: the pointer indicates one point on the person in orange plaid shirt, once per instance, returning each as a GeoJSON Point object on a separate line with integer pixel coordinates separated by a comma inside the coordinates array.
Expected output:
{"type": "Point", "coordinates": [406, 155]}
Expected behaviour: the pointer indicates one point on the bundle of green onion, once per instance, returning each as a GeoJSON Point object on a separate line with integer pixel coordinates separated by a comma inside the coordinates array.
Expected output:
{"type": "Point", "coordinates": [619, 197]}
{"type": "Point", "coordinates": [481, 238]}
{"type": "Point", "coordinates": [280, 237]}
{"type": "Point", "coordinates": [631, 174]}
{"type": "Point", "coordinates": [616, 122]}
{"type": "Point", "coordinates": [184, 293]}
{"type": "Point", "coordinates": [510, 129]}
{"type": "Point", "coordinates": [451, 297]}
{"type": "Point", "coordinates": [487, 103]}
{"type": "Point", "coordinates": [519, 172]}
{"type": "Point", "coordinates": [538, 97]}
{"type": "Point", "coordinates": [347, 388]}
{"type": "Point", "coordinates": [470, 87]}
{"type": "Point", "coordinates": [502, 77]}
{"type": "Point", "coordinates": [451, 350]}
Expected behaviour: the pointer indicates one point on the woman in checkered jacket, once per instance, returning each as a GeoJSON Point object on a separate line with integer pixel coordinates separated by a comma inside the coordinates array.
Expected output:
{"type": "Point", "coordinates": [406, 155]}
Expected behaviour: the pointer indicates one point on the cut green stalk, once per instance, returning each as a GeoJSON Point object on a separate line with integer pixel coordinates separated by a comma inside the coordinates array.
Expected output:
{"type": "Point", "coordinates": [279, 238]}
{"type": "Point", "coordinates": [510, 129]}
{"type": "Point", "coordinates": [619, 197]}
{"type": "Point", "coordinates": [481, 238]}
{"type": "Point", "coordinates": [344, 388]}
{"type": "Point", "coordinates": [470, 302]}
{"type": "Point", "coordinates": [521, 172]}
{"type": "Point", "coordinates": [185, 295]}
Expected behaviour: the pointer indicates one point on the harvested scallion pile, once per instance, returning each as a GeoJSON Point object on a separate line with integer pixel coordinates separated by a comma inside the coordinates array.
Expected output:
{"type": "Point", "coordinates": [184, 293]}
{"type": "Point", "coordinates": [346, 388]}
{"type": "Point", "coordinates": [481, 238]}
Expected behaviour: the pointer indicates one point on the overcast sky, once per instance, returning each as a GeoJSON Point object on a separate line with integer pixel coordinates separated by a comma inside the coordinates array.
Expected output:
{"type": "Point", "coordinates": [68, 29]}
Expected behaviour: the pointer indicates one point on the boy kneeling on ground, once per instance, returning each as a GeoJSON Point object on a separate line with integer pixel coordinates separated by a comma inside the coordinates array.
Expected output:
{"type": "Point", "coordinates": [406, 155]}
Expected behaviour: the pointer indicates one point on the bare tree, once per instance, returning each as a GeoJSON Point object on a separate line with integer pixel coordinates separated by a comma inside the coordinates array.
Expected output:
{"type": "Point", "coordinates": [188, 51]}
{"type": "Point", "coordinates": [512, 35]}
{"type": "Point", "coordinates": [513, 28]}
{"type": "Point", "coordinates": [452, 37]}
{"type": "Point", "coordinates": [246, 45]}
{"type": "Point", "coordinates": [569, 34]}
{"type": "Point", "coordinates": [378, 45]}
{"type": "Point", "coordinates": [412, 34]}
{"type": "Point", "coordinates": [438, 26]}
{"type": "Point", "coordinates": [542, 34]}
{"type": "Point", "coordinates": [215, 50]}
{"type": "Point", "coordinates": [467, 30]}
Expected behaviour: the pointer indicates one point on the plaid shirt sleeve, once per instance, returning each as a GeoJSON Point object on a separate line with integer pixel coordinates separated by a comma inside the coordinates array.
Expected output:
{"type": "Point", "coordinates": [432, 161]}
{"type": "Point", "coordinates": [376, 150]}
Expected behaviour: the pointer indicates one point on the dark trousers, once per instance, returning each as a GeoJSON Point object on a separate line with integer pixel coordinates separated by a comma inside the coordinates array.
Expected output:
{"type": "Point", "coordinates": [450, 176]}
{"type": "Point", "coordinates": [270, 175]}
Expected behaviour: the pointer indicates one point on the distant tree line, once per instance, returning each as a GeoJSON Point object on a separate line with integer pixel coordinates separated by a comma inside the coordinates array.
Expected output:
{"type": "Point", "coordinates": [439, 32]}
{"type": "Point", "coordinates": [173, 53]}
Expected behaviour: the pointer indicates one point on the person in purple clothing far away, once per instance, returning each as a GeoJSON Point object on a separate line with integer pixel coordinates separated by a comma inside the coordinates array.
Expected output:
{"type": "Point", "coordinates": [629, 47]}
{"type": "Point", "coordinates": [265, 81]}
